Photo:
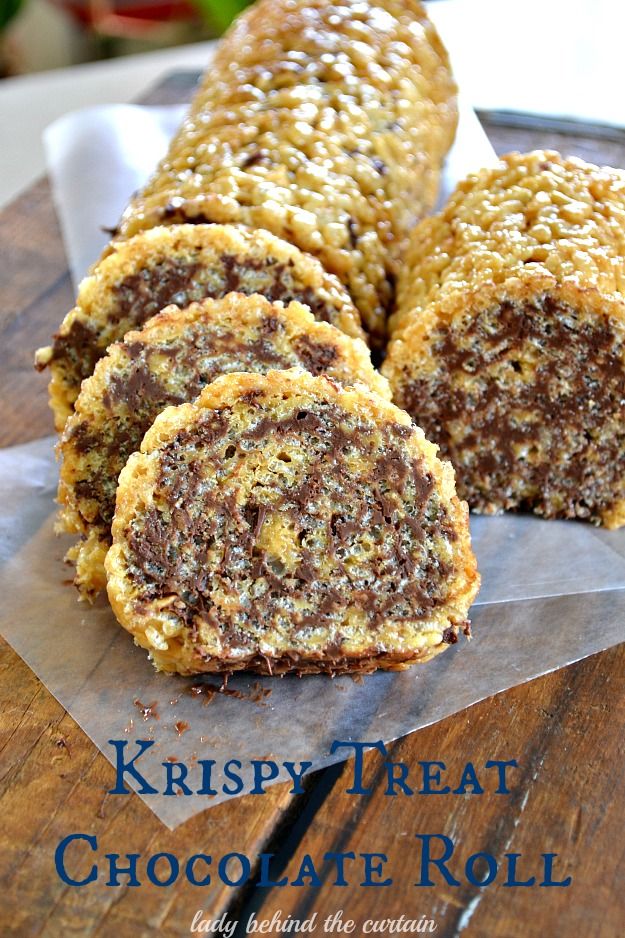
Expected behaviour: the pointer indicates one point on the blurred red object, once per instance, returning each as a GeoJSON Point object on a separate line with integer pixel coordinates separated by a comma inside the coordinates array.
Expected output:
{"type": "Point", "coordinates": [134, 19]}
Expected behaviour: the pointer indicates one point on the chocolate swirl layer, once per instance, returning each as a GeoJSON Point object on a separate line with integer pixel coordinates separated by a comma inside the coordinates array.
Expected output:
{"type": "Point", "coordinates": [181, 265]}
{"type": "Point", "coordinates": [282, 523]}
{"type": "Point", "coordinates": [508, 343]}
{"type": "Point", "coordinates": [176, 355]}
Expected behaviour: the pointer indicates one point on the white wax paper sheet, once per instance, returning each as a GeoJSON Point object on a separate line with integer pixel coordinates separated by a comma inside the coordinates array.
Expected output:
{"type": "Point", "coordinates": [553, 592]}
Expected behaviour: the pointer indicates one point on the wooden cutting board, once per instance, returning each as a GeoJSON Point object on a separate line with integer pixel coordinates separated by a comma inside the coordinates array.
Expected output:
{"type": "Point", "coordinates": [567, 730]}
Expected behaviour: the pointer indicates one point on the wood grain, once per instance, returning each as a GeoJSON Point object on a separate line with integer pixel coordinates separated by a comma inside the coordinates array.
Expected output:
{"type": "Point", "coordinates": [567, 732]}
{"type": "Point", "coordinates": [566, 729]}
{"type": "Point", "coordinates": [53, 782]}
{"type": "Point", "coordinates": [35, 294]}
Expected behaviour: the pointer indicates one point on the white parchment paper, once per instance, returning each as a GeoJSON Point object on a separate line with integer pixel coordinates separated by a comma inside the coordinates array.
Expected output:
{"type": "Point", "coordinates": [553, 592]}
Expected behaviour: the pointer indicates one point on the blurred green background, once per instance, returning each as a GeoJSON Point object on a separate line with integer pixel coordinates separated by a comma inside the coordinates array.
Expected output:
{"type": "Point", "coordinates": [36, 35]}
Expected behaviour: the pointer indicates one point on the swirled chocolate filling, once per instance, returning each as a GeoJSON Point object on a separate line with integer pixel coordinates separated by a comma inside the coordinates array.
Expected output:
{"type": "Point", "coordinates": [140, 296]}
{"type": "Point", "coordinates": [138, 388]}
{"type": "Point", "coordinates": [344, 528]}
{"type": "Point", "coordinates": [529, 405]}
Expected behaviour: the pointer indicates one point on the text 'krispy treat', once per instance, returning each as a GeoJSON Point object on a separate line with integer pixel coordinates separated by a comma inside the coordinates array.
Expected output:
{"type": "Point", "coordinates": [508, 344]}
{"type": "Point", "coordinates": [323, 122]}
{"type": "Point", "coordinates": [175, 355]}
{"type": "Point", "coordinates": [180, 265]}
{"type": "Point", "coordinates": [284, 523]}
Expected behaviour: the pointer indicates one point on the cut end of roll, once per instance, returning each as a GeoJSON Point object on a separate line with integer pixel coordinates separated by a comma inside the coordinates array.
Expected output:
{"type": "Point", "coordinates": [510, 350]}
{"type": "Point", "coordinates": [169, 361]}
{"type": "Point", "coordinates": [179, 265]}
{"type": "Point", "coordinates": [284, 523]}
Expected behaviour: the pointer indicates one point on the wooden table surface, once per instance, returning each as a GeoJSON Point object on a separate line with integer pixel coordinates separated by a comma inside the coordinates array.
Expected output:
{"type": "Point", "coordinates": [566, 729]}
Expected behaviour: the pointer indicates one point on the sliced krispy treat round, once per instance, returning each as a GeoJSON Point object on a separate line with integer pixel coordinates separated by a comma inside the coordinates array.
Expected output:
{"type": "Point", "coordinates": [508, 344]}
{"type": "Point", "coordinates": [181, 264]}
{"type": "Point", "coordinates": [283, 523]}
{"type": "Point", "coordinates": [169, 361]}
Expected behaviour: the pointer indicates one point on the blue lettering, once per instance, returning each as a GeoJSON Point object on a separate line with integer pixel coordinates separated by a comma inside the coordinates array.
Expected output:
{"type": "Point", "coordinates": [122, 767]}
{"type": "Point", "coordinates": [59, 860]}
{"type": "Point", "coordinates": [427, 860]}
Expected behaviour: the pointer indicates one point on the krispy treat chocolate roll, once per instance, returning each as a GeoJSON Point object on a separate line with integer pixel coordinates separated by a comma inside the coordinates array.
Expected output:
{"type": "Point", "coordinates": [180, 265]}
{"type": "Point", "coordinates": [284, 523]}
{"type": "Point", "coordinates": [174, 356]}
{"type": "Point", "coordinates": [323, 122]}
{"type": "Point", "coordinates": [509, 339]}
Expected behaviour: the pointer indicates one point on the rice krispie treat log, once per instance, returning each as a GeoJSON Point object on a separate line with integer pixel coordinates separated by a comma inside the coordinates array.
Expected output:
{"type": "Point", "coordinates": [284, 523]}
{"type": "Point", "coordinates": [508, 345]}
{"type": "Point", "coordinates": [181, 264]}
{"type": "Point", "coordinates": [323, 122]}
{"type": "Point", "coordinates": [174, 356]}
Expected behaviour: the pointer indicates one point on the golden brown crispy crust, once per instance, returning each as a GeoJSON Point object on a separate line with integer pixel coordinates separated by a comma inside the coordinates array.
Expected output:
{"type": "Point", "coordinates": [272, 478]}
{"type": "Point", "coordinates": [508, 343]}
{"type": "Point", "coordinates": [325, 123]}
{"type": "Point", "coordinates": [533, 217]}
{"type": "Point", "coordinates": [175, 355]}
{"type": "Point", "coordinates": [180, 264]}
